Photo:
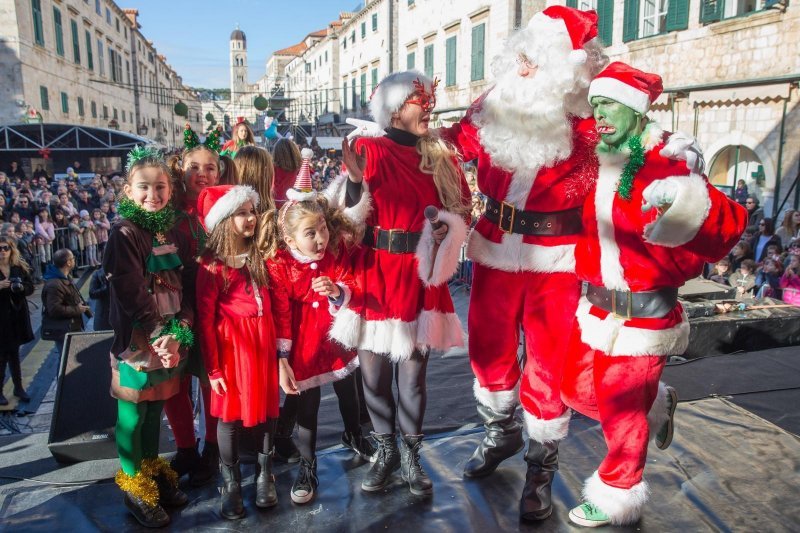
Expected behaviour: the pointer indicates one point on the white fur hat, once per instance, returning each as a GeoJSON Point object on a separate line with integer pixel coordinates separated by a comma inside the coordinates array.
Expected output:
{"type": "Point", "coordinates": [392, 92]}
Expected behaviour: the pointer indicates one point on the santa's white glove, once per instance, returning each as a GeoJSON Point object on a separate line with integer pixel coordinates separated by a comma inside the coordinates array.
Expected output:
{"type": "Point", "coordinates": [660, 194]}
{"type": "Point", "coordinates": [364, 128]}
{"type": "Point", "coordinates": [685, 148]}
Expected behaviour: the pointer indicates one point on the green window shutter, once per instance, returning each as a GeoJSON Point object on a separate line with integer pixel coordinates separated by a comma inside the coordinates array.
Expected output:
{"type": "Point", "coordinates": [76, 45]}
{"type": "Point", "coordinates": [450, 61]}
{"type": "Point", "coordinates": [572, 3]}
{"type": "Point", "coordinates": [478, 53]}
{"type": "Point", "coordinates": [677, 15]}
{"type": "Point", "coordinates": [363, 29]}
{"type": "Point", "coordinates": [374, 22]}
{"type": "Point", "coordinates": [410, 60]}
{"type": "Point", "coordinates": [93, 107]}
{"type": "Point", "coordinates": [711, 10]}
{"type": "Point", "coordinates": [374, 78]}
{"type": "Point", "coordinates": [363, 89]}
{"type": "Point", "coordinates": [429, 60]}
{"type": "Point", "coordinates": [64, 103]}
{"type": "Point", "coordinates": [38, 28]}
{"type": "Point", "coordinates": [59, 31]}
{"type": "Point", "coordinates": [630, 21]}
{"type": "Point", "coordinates": [344, 99]}
{"type": "Point", "coordinates": [89, 56]}
{"type": "Point", "coordinates": [80, 106]}
{"type": "Point", "coordinates": [605, 21]}
{"type": "Point", "coordinates": [44, 97]}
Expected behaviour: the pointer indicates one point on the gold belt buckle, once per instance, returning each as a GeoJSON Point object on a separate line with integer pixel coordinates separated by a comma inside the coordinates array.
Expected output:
{"type": "Point", "coordinates": [628, 300]}
{"type": "Point", "coordinates": [391, 240]}
{"type": "Point", "coordinates": [503, 207]}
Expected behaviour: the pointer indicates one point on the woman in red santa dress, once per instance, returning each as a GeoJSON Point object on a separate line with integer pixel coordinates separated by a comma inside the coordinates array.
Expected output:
{"type": "Point", "coordinates": [649, 225]}
{"type": "Point", "coordinates": [404, 308]}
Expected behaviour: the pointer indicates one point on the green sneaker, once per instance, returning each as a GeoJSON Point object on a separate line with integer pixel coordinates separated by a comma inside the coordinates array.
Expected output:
{"type": "Point", "coordinates": [589, 515]}
{"type": "Point", "coordinates": [664, 435]}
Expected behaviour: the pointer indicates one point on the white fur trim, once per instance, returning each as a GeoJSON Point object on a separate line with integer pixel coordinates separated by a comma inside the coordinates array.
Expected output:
{"type": "Point", "coordinates": [578, 57]}
{"type": "Point", "coordinates": [620, 92]}
{"type": "Point", "coordinates": [500, 401]}
{"type": "Point", "coordinates": [397, 339]}
{"type": "Point", "coordinates": [333, 309]}
{"type": "Point", "coordinates": [658, 414]}
{"type": "Point", "coordinates": [391, 94]}
{"type": "Point", "coordinates": [306, 153]}
{"type": "Point", "coordinates": [336, 193]}
{"type": "Point", "coordinates": [228, 203]}
{"type": "Point", "coordinates": [514, 255]}
{"type": "Point", "coordinates": [612, 337]}
{"type": "Point", "coordinates": [605, 192]}
{"type": "Point", "coordinates": [622, 506]}
{"type": "Point", "coordinates": [447, 254]}
{"type": "Point", "coordinates": [543, 431]}
{"type": "Point", "coordinates": [284, 345]}
{"type": "Point", "coordinates": [299, 196]}
{"type": "Point", "coordinates": [680, 223]}
{"type": "Point", "coordinates": [328, 377]}
{"type": "Point", "coordinates": [651, 136]}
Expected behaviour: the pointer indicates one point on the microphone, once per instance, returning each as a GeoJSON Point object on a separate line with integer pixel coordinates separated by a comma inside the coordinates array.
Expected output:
{"type": "Point", "coordinates": [432, 214]}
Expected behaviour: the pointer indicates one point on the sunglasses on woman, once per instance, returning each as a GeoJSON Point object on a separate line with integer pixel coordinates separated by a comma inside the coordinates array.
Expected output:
{"type": "Point", "coordinates": [5, 248]}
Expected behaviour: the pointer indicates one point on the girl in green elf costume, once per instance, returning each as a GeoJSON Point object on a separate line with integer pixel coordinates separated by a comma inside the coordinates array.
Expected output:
{"type": "Point", "coordinates": [147, 265]}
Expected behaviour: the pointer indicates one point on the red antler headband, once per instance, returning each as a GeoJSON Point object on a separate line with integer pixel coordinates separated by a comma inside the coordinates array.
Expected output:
{"type": "Point", "coordinates": [426, 100]}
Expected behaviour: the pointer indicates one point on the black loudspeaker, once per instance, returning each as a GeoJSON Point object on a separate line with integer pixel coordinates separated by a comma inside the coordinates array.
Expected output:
{"type": "Point", "coordinates": [84, 414]}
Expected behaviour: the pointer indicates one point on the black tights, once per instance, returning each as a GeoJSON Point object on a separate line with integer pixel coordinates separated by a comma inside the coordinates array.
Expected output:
{"type": "Point", "coordinates": [308, 409]}
{"type": "Point", "coordinates": [378, 371]}
{"type": "Point", "coordinates": [228, 434]}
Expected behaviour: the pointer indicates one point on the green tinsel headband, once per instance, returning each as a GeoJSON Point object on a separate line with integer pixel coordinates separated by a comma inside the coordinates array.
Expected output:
{"type": "Point", "coordinates": [190, 139]}
{"type": "Point", "coordinates": [140, 153]}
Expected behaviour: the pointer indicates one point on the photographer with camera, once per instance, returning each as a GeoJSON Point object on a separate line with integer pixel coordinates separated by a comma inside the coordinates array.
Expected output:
{"type": "Point", "coordinates": [15, 286]}
{"type": "Point", "coordinates": [62, 305]}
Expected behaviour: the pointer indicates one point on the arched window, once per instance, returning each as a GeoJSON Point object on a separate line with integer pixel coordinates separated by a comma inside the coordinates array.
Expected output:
{"type": "Point", "coordinates": [736, 162]}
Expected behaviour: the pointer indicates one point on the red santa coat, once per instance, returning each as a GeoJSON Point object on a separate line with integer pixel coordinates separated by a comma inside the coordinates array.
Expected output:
{"type": "Point", "coordinates": [402, 307]}
{"type": "Point", "coordinates": [556, 188]}
{"type": "Point", "coordinates": [625, 248]}
{"type": "Point", "coordinates": [283, 180]}
{"type": "Point", "coordinates": [303, 317]}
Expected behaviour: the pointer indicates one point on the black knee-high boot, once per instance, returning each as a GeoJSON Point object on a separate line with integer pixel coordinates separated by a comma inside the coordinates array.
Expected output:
{"type": "Point", "coordinates": [502, 439]}
{"type": "Point", "coordinates": [536, 502]}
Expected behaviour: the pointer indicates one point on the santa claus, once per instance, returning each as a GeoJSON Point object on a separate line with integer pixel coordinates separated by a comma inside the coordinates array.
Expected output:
{"type": "Point", "coordinates": [534, 140]}
{"type": "Point", "coordinates": [649, 224]}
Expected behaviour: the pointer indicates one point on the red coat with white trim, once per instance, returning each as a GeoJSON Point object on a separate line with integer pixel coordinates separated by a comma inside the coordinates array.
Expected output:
{"type": "Point", "coordinates": [556, 188]}
{"type": "Point", "coordinates": [402, 307]}
{"type": "Point", "coordinates": [303, 317]}
{"type": "Point", "coordinates": [624, 248]}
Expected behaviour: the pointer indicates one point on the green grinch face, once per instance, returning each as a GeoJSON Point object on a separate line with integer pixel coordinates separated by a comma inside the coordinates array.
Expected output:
{"type": "Point", "coordinates": [616, 123]}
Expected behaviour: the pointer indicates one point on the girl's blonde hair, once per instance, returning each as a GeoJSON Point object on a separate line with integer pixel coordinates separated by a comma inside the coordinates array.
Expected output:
{"type": "Point", "coordinates": [222, 243]}
{"type": "Point", "coordinates": [225, 169]}
{"type": "Point", "coordinates": [14, 258]}
{"type": "Point", "coordinates": [286, 221]}
{"type": "Point", "coordinates": [254, 168]}
{"type": "Point", "coordinates": [287, 155]}
{"type": "Point", "coordinates": [438, 159]}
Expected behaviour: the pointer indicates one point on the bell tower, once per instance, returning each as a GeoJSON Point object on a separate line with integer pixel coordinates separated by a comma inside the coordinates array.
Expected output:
{"type": "Point", "coordinates": [238, 64]}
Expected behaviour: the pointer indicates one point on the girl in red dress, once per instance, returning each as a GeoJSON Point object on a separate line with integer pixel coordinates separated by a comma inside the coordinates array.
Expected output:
{"type": "Point", "coordinates": [312, 282]}
{"type": "Point", "coordinates": [237, 337]}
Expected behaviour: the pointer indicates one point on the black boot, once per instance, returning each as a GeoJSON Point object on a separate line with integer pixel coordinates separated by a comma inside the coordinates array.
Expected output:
{"type": "Point", "coordinates": [410, 468]}
{"type": "Point", "coordinates": [542, 459]}
{"type": "Point", "coordinates": [205, 468]}
{"type": "Point", "coordinates": [16, 378]}
{"type": "Point", "coordinates": [266, 495]}
{"type": "Point", "coordinates": [185, 461]}
{"type": "Point", "coordinates": [502, 439]}
{"type": "Point", "coordinates": [148, 515]}
{"type": "Point", "coordinates": [387, 460]}
{"type": "Point", "coordinates": [359, 444]}
{"type": "Point", "coordinates": [231, 505]}
{"type": "Point", "coordinates": [170, 495]}
{"type": "Point", "coordinates": [306, 483]}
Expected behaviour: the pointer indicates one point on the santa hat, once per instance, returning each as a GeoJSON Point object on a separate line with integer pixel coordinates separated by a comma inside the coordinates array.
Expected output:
{"type": "Point", "coordinates": [392, 92]}
{"type": "Point", "coordinates": [628, 86]}
{"type": "Point", "coordinates": [580, 27]}
{"type": "Point", "coordinates": [302, 189]}
{"type": "Point", "coordinates": [217, 203]}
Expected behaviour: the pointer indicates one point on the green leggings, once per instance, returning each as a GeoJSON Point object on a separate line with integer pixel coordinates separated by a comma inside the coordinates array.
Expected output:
{"type": "Point", "coordinates": [138, 426]}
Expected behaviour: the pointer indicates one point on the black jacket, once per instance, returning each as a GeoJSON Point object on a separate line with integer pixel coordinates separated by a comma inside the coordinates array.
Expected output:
{"type": "Point", "coordinates": [14, 314]}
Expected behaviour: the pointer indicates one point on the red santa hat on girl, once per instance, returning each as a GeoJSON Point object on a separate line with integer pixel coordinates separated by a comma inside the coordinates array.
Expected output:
{"type": "Point", "coordinates": [217, 203]}
{"type": "Point", "coordinates": [393, 91]}
{"type": "Point", "coordinates": [302, 189]}
{"type": "Point", "coordinates": [579, 27]}
{"type": "Point", "coordinates": [628, 86]}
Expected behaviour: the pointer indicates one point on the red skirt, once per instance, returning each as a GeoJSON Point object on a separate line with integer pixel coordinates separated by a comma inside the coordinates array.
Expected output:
{"type": "Point", "coordinates": [247, 348]}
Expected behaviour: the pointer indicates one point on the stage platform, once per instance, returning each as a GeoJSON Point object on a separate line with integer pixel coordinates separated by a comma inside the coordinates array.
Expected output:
{"type": "Point", "coordinates": [728, 469]}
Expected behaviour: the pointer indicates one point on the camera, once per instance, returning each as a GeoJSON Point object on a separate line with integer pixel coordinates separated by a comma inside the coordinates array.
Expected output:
{"type": "Point", "coordinates": [16, 285]}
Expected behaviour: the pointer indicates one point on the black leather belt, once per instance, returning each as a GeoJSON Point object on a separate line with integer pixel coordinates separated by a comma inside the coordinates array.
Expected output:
{"type": "Point", "coordinates": [626, 304]}
{"type": "Point", "coordinates": [512, 220]}
{"type": "Point", "coordinates": [395, 241]}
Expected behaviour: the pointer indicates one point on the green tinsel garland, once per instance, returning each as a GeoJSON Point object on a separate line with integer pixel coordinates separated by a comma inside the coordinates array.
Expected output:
{"type": "Point", "coordinates": [183, 334]}
{"type": "Point", "coordinates": [156, 223]}
{"type": "Point", "coordinates": [635, 162]}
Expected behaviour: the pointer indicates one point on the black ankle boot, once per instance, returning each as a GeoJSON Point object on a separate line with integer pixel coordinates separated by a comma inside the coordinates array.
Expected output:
{"type": "Point", "coordinates": [205, 467]}
{"type": "Point", "coordinates": [502, 439]}
{"type": "Point", "coordinates": [185, 461]}
{"type": "Point", "coordinates": [170, 495]}
{"type": "Point", "coordinates": [148, 515]}
{"type": "Point", "coordinates": [359, 444]}
{"type": "Point", "coordinates": [410, 468]}
{"type": "Point", "coordinates": [231, 504]}
{"type": "Point", "coordinates": [542, 459]}
{"type": "Point", "coordinates": [387, 460]}
{"type": "Point", "coordinates": [266, 495]}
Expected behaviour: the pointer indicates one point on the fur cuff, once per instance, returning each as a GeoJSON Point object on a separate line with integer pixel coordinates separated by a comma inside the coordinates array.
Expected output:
{"type": "Point", "coordinates": [680, 223]}
{"type": "Point", "coordinates": [336, 193]}
{"type": "Point", "coordinates": [543, 431]}
{"type": "Point", "coordinates": [500, 401]}
{"type": "Point", "coordinates": [513, 255]}
{"type": "Point", "coordinates": [447, 255]}
{"type": "Point", "coordinates": [612, 337]}
{"type": "Point", "coordinates": [328, 377]}
{"type": "Point", "coordinates": [622, 506]}
{"type": "Point", "coordinates": [333, 309]}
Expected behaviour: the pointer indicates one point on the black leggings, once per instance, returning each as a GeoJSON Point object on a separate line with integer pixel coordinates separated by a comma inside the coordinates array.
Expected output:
{"type": "Point", "coordinates": [308, 409]}
{"type": "Point", "coordinates": [228, 434]}
{"type": "Point", "coordinates": [377, 371]}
